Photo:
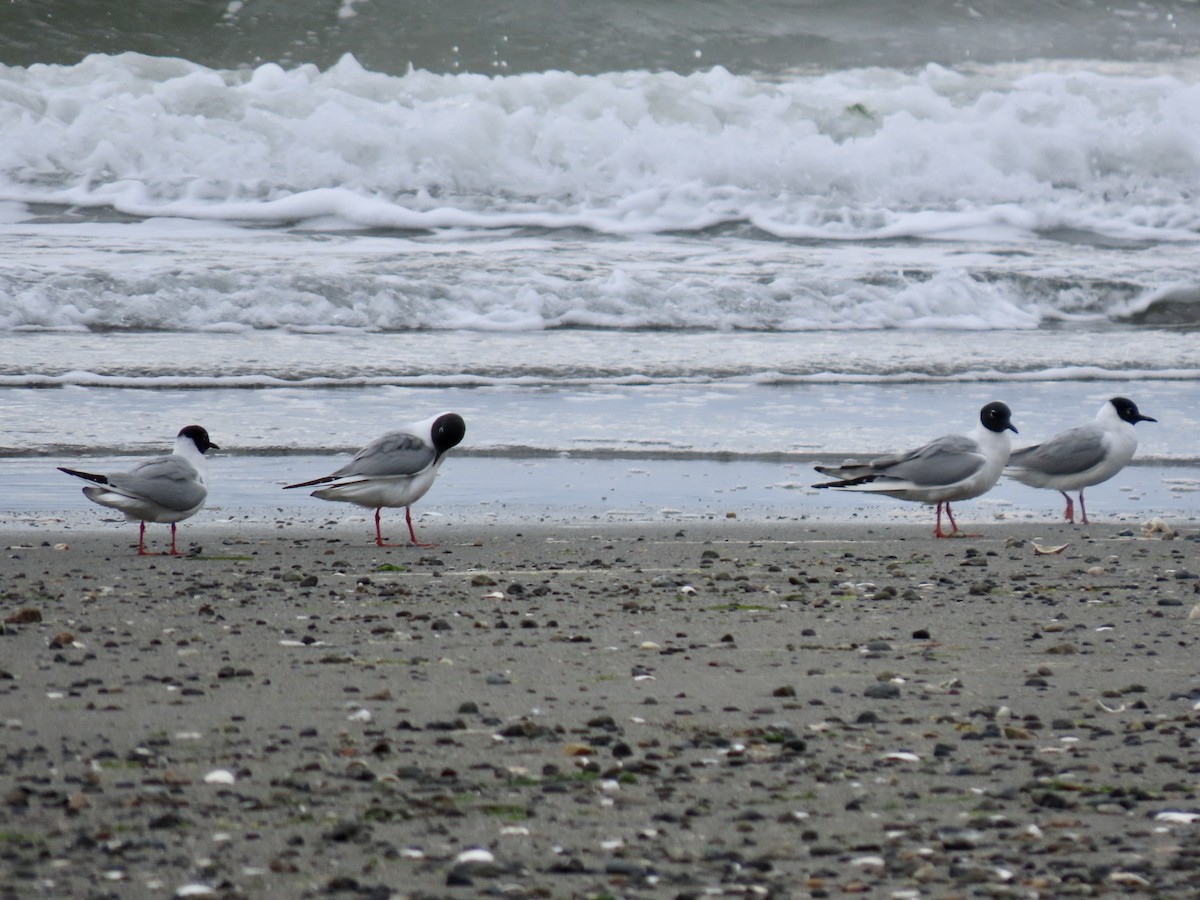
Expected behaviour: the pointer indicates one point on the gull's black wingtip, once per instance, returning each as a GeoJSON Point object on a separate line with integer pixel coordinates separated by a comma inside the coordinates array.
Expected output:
{"type": "Point", "coordinates": [323, 480]}
{"type": "Point", "coordinates": [846, 482]}
{"type": "Point", "coordinates": [86, 476]}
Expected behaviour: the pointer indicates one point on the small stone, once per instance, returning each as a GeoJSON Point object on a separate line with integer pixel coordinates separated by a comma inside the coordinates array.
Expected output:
{"type": "Point", "coordinates": [882, 691]}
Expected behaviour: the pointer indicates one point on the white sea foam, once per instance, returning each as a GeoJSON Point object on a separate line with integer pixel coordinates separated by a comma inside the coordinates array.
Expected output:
{"type": "Point", "coordinates": [141, 193]}
{"type": "Point", "coordinates": [848, 155]}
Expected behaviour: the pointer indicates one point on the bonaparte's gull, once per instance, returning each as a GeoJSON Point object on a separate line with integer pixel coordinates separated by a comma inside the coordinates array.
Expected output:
{"type": "Point", "coordinates": [165, 489]}
{"type": "Point", "coordinates": [952, 467]}
{"type": "Point", "coordinates": [394, 470]}
{"type": "Point", "coordinates": [1080, 457]}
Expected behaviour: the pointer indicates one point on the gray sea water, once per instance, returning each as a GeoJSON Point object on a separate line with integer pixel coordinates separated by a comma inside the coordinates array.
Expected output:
{"type": "Point", "coordinates": [639, 247]}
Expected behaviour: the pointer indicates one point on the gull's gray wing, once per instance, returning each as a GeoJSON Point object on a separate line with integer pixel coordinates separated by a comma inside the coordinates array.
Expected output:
{"type": "Point", "coordinates": [1068, 452]}
{"type": "Point", "coordinates": [397, 453]}
{"type": "Point", "coordinates": [168, 481]}
{"type": "Point", "coordinates": [944, 460]}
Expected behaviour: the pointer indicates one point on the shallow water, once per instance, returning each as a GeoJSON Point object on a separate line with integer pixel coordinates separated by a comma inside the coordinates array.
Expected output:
{"type": "Point", "coordinates": [580, 491]}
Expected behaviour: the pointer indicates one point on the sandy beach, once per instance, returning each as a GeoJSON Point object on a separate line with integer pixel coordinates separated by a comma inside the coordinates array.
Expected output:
{"type": "Point", "coordinates": [703, 708]}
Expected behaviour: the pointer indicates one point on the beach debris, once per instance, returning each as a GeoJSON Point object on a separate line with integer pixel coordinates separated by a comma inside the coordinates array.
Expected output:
{"type": "Point", "coordinates": [26, 615]}
{"type": "Point", "coordinates": [220, 776]}
{"type": "Point", "coordinates": [1157, 527]}
{"type": "Point", "coordinates": [1040, 550]}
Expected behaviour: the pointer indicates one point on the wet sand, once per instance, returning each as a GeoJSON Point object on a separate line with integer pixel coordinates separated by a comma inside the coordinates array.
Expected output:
{"type": "Point", "coordinates": [686, 709]}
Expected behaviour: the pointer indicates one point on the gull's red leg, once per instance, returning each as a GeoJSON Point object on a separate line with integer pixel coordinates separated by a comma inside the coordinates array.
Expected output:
{"type": "Point", "coordinates": [937, 529]}
{"type": "Point", "coordinates": [411, 533]}
{"type": "Point", "coordinates": [1069, 513]}
{"type": "Point", "coordinates": [950, 516]}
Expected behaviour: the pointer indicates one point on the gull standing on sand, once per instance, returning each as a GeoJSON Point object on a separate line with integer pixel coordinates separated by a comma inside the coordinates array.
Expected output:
{"type": "Point", "coordinates": [952, 467]}
{"type": "Point", "coordinates": [394, 470]}
{"type": "Point", "coordinates": [164, 489]}
{"type": "Point", "coordinates": [1082, 456]}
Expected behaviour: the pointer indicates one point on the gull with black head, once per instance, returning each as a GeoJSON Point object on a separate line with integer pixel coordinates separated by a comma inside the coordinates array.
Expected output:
{"type": "Point", "coordinates": [394, 470]}
{"type": "Point", "coordinates": [949, 468]}
{"type": "Point", "coordinates": [1082, 456]}
{"type": "Point", "coordinates": [164, 489]}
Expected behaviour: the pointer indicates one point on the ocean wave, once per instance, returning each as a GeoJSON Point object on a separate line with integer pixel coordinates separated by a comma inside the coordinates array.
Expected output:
{"type": "Point", "coordinates": [572, 378]}
{"type": "Point", "coordinates": [181, 282]}
{"type": "Point", "coordinates": [867, 154]}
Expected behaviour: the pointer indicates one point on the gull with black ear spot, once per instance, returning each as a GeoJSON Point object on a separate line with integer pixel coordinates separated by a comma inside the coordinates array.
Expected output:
{"type": "Point", "coordinates": [394, 470]}
{"type": "Point", "coordinates": [1082, 456]}
{"type": "Point", "coordinates": [951, 467]}
{"type": "Point", "coordinates": [165, 489]}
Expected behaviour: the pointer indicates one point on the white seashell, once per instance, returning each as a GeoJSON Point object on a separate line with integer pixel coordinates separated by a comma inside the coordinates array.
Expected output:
{"type": "Point", "coordinates": [649, 645]}
{"type": "Point", "coordinates": [220, 776]}
{"type": "Point", "coordinates": [1174, 816]}
{"type": "Point", "coordinates": [360, 715]}
{"type": "Point", "coordinates": [868, 862]}
{"type": "Point", "coordinates": [1039, 550]}
{"type": "Point", "coordinates": [687, 589]}
{"type": "Point", "coordinates": [195, 890]}
{"type": "Point", "coordinates": [475, 855]}
{"type": "Point", "coordinates": [902, 756]}
{"type": "Point", "coordinates": [518, 830]}
{"type": "Point", "coordinates": [1128, 878]}
{"type": "Point", "coordinates": [412, 853]}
